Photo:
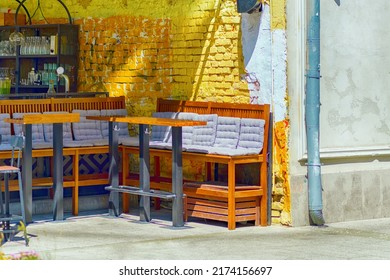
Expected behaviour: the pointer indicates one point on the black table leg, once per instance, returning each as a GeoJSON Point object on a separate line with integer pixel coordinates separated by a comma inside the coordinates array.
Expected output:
{"type": "Point", "coordinates": [144, 172]}
{"type": "Point", "coordinates": [177, 177]}
{"type": "Point", "coordinates": [27, 171]}
{"type": "Point", "coordinates": [58, 202]}
{"type": "Point", "coordinates": [114, 209]}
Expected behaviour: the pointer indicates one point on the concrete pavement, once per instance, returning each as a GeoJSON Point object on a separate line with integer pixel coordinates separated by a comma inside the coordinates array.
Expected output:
{"type": "Point", "coordinates": [96, 236]}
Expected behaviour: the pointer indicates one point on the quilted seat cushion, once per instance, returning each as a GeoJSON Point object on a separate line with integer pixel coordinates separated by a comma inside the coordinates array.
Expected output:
{"type": "Point", "coordinates": [123, 127]}
{"type": "Point", "coordinates": [228, 131]}
{"type": "Point", "coordinates": [48, 130]}
{"type": "Point", "coordinates": [162, 133]}
{"type": "Point", "coordinates": [5, 128]}
{"type": "Point", "coordinates": [187, 131]}
{"type": "Point", "coordinates": [251, 134]}
{"type": "Point", "coordinates": [37, 129]}
{"type": "Point", "coordinates": [86, 129]}
{"type": "Point", "coordinates": [205, 135]}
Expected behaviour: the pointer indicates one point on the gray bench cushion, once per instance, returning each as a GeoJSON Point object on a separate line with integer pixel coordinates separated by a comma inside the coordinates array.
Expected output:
{"type": "Point", "coordinates": [251, 134]}
{"type": "Point", "coordinates": [160, 145]}
{"type": "Point", "coordinates": [77, 143]}
{"type": "Point", "coordinates": [187, 131]}
{"type": "Point", "coordinates": [37, 129]}
{"type": "Point", "coordinates": [162, 133]}
{"type": "Point", "coordinates": [87, 129]}
{"type": "Point", "coordinates": [205, 135]}
{"type": "Point", "coordinates": [232, 152]}
{"type": "Point", "coordinates": [228, 131]}
{"type": "Point", "coordinates": [129, 141]}
{"type": "Point", "coordinates": [5, 147]}
{"type": "Point", "coordinates": [48, 130]}
{"type": "Point", "coordinates": [123, 127]}
{"type": "Point", "coordinates": [37, 145]}
{"type": "Point", "coordinates": [5, 130]}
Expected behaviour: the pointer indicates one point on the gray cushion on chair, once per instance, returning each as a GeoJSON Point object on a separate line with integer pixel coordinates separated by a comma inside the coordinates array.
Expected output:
{"type": "Point", "coordinates": [37, 129]}
{"type": "Point", "coordinates": [5, 130]}
{"type": "Point", "coordinates": [251, 134]}
{"type": "Point", "coordinates": [48, 129]}
{"type": "Point", "coordinates": [161, 133]}
{"type": "Point", "coordinates": [86, 129]}
{"type": "Point", "coordinates": [228, 131]}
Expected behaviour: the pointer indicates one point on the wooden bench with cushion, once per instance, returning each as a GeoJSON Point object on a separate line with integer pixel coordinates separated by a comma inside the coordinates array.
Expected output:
{"type": "Point", "coordinates": [236, 135]}
{"type": "Point", "coordinates": [74, 143]}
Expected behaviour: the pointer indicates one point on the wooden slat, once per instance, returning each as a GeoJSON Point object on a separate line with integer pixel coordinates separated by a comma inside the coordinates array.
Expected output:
{"type": "Point", "coordinates": [149, 121]}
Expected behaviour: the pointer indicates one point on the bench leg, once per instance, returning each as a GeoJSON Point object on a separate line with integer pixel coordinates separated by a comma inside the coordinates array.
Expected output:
{"type": "Point", "coordinates": [125, 202]}
{"type": "Point", "coordinates": [125, 172]}
{"type": "Point", "coordinates": [231, 196]}
{"type": "Point", "coordinates": [185, 211]}
{"type": "Point", "coordinates": [264, 197]}
{"type": "Point", "coordinates": [75, 193]}
{"type": "Point", "coordinates": [258, 211]}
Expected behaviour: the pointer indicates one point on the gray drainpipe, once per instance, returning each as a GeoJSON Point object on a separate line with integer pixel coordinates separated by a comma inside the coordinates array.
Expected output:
{"type": "Point", "coordinates": [312, 113]}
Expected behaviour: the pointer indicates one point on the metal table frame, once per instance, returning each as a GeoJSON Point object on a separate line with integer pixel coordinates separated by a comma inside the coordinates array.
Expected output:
{"type": "Point", "coordinates": [144, 156]}
{"type": "Point", "coordinates": [57, 120]}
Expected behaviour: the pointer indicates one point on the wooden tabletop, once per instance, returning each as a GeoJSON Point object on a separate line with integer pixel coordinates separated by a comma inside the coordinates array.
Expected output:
{"type": "Point", "coordinates": [45, 118]}
{"type": "Point", "coordinates": [148, 120]}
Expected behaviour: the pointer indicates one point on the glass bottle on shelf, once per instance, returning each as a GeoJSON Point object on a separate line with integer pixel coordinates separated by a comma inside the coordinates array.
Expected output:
{"type": "Point", "coordinates": [51, 89]}
{"type": "Point", "coordinates": [38, 78]}
{"type": "Point", "coordinates": [31, 77]}
{"type": "Point", "coordinates": [45, 74]}
{"type": "Point", "coordinates": [5, 81]}
{"type": "Point", "coordinates": [53, 74]}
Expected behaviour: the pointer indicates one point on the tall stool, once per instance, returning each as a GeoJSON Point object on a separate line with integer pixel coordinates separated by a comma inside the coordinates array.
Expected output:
{"type": "Point", "coordinates": [11, 224]}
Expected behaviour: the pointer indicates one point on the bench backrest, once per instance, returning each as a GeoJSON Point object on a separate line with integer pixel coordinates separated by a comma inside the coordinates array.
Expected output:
{"type": "Point", "coordinates": [61, 104]}
{"type": "Point", "coordinates": [252, 111]}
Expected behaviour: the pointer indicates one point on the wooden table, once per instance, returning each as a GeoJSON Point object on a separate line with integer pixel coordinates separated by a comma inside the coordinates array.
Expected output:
{"type": "Point", "coordinates": [144, 189]}
{"type": "Point", "coordinates": [57, 119]}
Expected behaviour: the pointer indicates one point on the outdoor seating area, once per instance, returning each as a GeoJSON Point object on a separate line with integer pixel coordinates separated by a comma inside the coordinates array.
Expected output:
{"type": "Point", "coordinates": [234, 135]}
{"type": "Point", "coordinates": [77, 140]}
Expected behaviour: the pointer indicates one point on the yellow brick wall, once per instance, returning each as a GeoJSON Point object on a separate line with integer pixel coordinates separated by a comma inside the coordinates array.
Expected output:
{"type": "Point", "coordinates": [148, 49]}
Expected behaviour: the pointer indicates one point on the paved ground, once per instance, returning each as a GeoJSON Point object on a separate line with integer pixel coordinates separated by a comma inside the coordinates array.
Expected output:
{"type": "Point", "coordinates": [99, 237]}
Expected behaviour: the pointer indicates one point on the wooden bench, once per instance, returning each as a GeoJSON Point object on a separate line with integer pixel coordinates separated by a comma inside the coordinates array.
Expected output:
{"type": "Point", "coordinates": [211, 199]}
{"type": "Point", "coordinates": [75, 180]}
{"type": "Point", "coordinates": [226, 201]}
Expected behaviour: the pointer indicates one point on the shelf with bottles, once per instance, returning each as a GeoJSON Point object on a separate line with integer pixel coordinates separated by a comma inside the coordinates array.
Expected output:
{"type": "Point", "coordinates": [54, 44]}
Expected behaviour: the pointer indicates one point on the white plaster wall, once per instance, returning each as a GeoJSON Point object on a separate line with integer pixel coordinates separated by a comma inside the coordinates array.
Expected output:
{"type": "Point", "coordinates": [279, 61]}
{"type": "Point", "coordinates": [265, 55]}
{"type": "Point", "coordinates": [256, 42]}
{"type": "Point", "coordinates": [355, 72]}
{"type": "Point", "coordinates": [354, 113]}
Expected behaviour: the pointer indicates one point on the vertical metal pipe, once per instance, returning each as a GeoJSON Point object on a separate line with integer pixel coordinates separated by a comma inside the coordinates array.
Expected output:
{"type": "Point", "coordinates": [312, 113]}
